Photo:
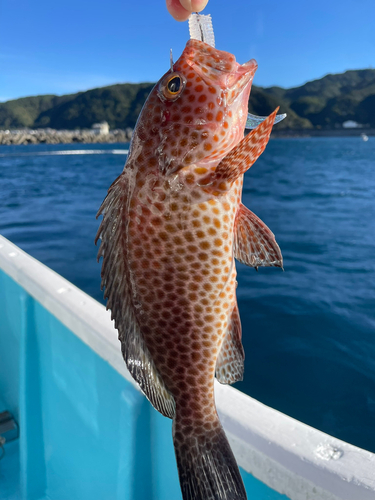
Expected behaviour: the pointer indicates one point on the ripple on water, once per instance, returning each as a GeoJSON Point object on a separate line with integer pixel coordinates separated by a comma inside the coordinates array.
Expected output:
{"type": "Point", "coordinates": [308, 332]}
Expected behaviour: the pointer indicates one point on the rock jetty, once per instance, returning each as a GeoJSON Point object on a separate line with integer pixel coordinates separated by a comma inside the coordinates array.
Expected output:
{"type": "Point", "coordinates": [51, 136]}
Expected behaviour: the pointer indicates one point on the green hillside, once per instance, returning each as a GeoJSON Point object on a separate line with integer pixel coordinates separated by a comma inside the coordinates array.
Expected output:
{"type": "Point", "coordinates": [324, 104]}
{"type": "Point", "coordinates": [333, 99]}
{"type": "Point", "coordinates": [25, 112]}
{"type": "Point", "coordinates": [119, 105]}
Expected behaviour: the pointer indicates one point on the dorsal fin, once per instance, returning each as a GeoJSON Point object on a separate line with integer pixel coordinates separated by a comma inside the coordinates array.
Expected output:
{"type": "Point", "coordinates": [254, 243]}
{"type": "Point", "coordinates": [115, 279]}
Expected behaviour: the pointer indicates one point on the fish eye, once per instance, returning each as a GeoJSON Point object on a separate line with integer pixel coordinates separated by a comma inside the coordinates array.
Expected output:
{"type": "Point", "coordinates": [172, 86]}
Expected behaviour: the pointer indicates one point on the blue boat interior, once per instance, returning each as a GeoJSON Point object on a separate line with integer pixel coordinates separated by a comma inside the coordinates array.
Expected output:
{"type": "Point", "coordinates": [85, 431]}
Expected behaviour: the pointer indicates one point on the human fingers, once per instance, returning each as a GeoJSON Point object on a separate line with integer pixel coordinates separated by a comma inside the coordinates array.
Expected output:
{"type": "Point", "coordinates": [177, 10]}
{"type": "Point", "coordinates": [194, 5]}
{"type": "Point", "coordinates": [181, 9]}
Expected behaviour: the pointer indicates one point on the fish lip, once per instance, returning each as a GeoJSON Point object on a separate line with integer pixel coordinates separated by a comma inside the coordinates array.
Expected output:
{"type": "Point", "coordinates": [242, 79]}
{"type": "Point", "coordinates": [229, 73]}
{"type": "Point", "coordinates": [195, 49]}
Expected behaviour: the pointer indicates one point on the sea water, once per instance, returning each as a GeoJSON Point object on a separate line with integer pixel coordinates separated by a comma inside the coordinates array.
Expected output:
{"type": "Point", "coordinates": [308, 332]}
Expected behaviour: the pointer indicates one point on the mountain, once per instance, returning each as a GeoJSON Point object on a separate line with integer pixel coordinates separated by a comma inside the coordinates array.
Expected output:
{"type": "Point", "coordinates": [119, 105]}
{"type": "Point", "coordinates": [332, 100]}
{"type": "Point", "coordinates": [321, 104]}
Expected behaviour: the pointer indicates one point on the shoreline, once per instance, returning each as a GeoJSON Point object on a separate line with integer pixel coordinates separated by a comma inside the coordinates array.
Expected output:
{"type": "Point", "coordinates": [51, 136]}
{"type": "Point", "coordinates": [303, 133]}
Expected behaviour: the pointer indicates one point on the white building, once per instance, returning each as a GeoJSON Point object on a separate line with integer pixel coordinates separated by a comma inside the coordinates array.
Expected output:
{"type": "Point", "coordinates": [101, 128]}
{"type": "Point", "coordinates": [351, 124]}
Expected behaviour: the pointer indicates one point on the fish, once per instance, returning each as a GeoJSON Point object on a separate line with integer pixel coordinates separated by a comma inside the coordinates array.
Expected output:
{"type": "Point", "coordinates": [173, 224]}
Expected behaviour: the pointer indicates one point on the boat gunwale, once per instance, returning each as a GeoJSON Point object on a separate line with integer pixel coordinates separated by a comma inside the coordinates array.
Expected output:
{"type": "Point", "coordinates": [284, 453]}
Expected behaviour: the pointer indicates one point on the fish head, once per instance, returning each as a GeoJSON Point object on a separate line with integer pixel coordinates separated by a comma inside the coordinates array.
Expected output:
{"type": "Point", "coordinates": [197, 112]}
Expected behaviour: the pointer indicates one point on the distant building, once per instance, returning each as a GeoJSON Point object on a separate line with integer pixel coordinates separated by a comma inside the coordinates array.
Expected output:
{"type": "Point", "coordinates": [351, 124]}
{"type": "Point", "coordinates": [101, 128]}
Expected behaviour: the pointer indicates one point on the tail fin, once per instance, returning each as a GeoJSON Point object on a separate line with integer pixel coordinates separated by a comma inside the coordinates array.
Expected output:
{"type": "Point", "coordinates": [206, 464]}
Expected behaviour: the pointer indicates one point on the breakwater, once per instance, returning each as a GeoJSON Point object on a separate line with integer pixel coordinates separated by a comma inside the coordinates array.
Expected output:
{"type": "Point", "coordinates": [52, 136]}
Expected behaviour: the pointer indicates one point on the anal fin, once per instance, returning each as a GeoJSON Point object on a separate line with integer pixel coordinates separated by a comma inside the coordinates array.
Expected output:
{"type": "Point", "coordinates": [254, 242]}
{"type": "Point", "coordinates": [230, 362]}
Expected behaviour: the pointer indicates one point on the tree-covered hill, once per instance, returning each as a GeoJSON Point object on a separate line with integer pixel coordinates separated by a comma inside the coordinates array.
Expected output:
{"type": "Point", "coordinates": [333, 99]}
{"type": "Point", "coordinates": [324, 104]}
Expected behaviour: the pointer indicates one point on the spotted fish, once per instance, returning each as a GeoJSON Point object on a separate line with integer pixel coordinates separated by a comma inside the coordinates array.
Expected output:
{"type": "Point", "coordinates": [173, 223]}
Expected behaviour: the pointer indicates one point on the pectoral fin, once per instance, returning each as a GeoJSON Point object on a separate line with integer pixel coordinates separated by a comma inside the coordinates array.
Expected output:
{"type": "Point", "coordinates": [254, 243]}
{"type": "Point", "coordinates": [240, 159]}
{"type": "Point", "coordinates": [253, 121]}
{"type": "Point", "coordinates": [230, 362]}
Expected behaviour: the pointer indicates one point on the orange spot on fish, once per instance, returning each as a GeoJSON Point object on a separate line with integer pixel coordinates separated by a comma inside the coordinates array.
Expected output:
{"type": "Point", "coordinates": [202, 256]}
{"type": "Point", "coordinates": [200, 171]}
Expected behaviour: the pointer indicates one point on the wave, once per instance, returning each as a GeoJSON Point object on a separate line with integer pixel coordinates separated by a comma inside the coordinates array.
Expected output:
{"type": "Point", "coordinates": [69, 152]}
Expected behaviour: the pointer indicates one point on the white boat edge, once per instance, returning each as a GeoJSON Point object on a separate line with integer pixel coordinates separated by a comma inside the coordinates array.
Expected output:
{"type": "Point", "coordinates": [289, 456]}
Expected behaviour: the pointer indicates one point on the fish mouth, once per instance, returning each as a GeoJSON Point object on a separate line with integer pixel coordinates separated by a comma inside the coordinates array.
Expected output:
{"type": "Point", "coordinates": [219, 68]}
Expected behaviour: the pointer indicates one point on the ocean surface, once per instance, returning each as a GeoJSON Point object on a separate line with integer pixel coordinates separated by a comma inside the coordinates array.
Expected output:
{"type": "Point", "coordinates": [308, 332]}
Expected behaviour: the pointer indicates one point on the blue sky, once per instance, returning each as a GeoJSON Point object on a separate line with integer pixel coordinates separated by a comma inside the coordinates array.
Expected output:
{"type": "Point", "coordinates": [49, 47]}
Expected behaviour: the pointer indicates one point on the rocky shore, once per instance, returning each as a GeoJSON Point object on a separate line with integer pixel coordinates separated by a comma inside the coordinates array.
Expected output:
{"type": "Point", "coordinates": [51, 136]}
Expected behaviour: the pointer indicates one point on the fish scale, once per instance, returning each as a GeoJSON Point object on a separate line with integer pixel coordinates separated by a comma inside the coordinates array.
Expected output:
{"type": "Point", "coordinates": [172, 225]}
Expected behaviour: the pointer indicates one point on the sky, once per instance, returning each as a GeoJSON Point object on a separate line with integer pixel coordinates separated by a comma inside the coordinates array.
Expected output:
{"type": "Point", "coordinates": [55, 47]}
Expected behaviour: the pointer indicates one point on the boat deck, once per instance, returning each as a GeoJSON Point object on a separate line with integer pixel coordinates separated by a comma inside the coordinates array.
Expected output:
{"type": "Point", "coordinates": [86, 431]}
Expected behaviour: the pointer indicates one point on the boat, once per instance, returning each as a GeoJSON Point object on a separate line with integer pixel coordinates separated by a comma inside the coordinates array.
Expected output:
{"type": "Point", "coordinates": [364, 137]}
{"type": "Point", "coordinates": [87, 432]}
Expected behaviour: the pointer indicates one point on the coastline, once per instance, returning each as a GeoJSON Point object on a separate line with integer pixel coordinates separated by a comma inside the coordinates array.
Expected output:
{"type": "Point", "coordinates": [52, 136]}
{"type": "Point", "coordinates": [87, 136]}
{"type": "Point", "coordinates": [348, 132]}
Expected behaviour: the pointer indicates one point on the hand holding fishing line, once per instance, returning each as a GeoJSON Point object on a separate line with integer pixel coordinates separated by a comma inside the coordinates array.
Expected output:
{"type": "Point", "coordinates": [181, 9]}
